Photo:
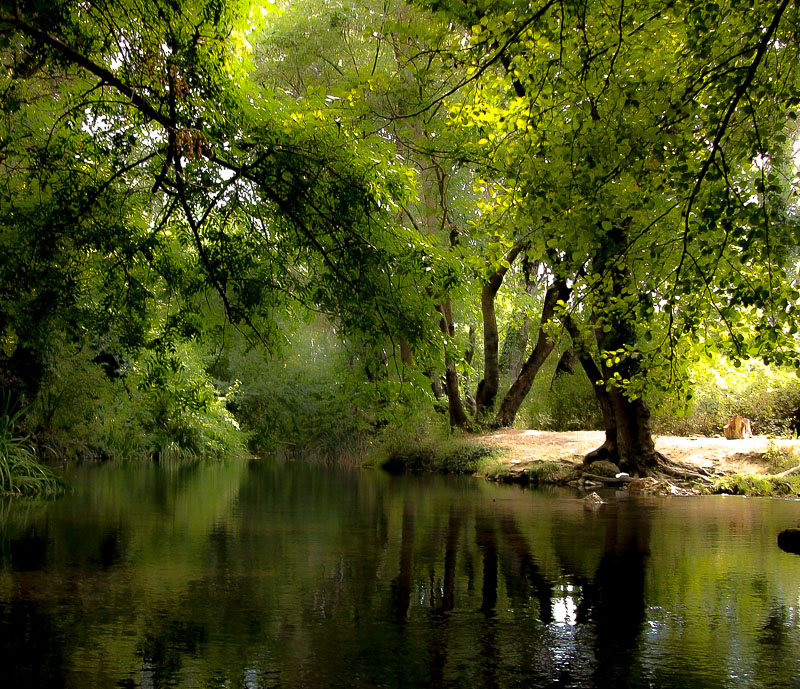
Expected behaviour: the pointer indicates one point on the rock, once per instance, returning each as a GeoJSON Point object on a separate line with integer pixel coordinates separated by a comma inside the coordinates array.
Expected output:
{"type": "Point", "coordinates": [738, 427]}
{"type": "Point", "coordinates": [592, 499]}
{"type": "Point", "coordinates": [789, 540]}
{"type": "Point", "coordinates": [603, 468]}
{"type": "Point", "coordinates": [641, 485]}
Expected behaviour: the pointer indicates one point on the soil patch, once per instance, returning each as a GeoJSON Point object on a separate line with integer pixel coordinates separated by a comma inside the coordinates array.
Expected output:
{"type": "Point", "coordinates": [714, 454]}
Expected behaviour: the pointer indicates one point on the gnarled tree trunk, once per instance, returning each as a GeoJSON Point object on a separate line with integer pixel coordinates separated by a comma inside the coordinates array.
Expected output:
{"type": "Point", "coordinates": [629, 440]}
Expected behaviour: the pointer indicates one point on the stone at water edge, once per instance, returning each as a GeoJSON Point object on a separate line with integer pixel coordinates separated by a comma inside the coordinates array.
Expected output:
{"type": "Point", "coordinates": [603, 468]}
{"type": "Point", "coordinates": [592, 499]}
{"type": "Point", "coordinates": [789, 540]}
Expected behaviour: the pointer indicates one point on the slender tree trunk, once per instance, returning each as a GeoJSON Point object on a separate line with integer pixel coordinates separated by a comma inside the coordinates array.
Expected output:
{"type": "Point", "coordinates": [436, 384]}
{"type": "Point", "coordinates": [406, 355]}
{"type": "Point", "coordinates": [516, 394]}
{"type": "Point", "coordinates": [512, 356]}
{"type": "Point", "coordinates": [608, 450]}
{"type": "Point", "coordinates": [487, 388]}
{"type": "Point", "coordinates": [458, 418]}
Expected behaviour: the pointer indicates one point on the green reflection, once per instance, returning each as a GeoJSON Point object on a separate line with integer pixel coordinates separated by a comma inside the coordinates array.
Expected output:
{"type": "Point", "coordinates": [266, 575]}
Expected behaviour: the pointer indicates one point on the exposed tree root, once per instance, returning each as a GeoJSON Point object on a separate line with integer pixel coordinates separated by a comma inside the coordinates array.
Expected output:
{"type": "Point", "coordinates": [607, 479]}
{"type": "Point", "coordinates": [663, 468]}
{"type": "Point", "coordinates": [683, 472]}
{"type": "Point", "coordinates": [789, 472]}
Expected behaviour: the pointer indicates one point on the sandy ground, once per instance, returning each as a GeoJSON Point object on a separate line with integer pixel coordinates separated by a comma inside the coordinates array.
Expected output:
{"type": "Point", "coordinates": [719, 453]}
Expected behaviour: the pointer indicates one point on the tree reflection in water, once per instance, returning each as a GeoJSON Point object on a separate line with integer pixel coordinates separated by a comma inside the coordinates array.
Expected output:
{"type": "Point", "coordinates": [293, 576]}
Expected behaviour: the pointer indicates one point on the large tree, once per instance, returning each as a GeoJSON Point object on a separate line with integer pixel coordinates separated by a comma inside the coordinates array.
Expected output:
{"type": "Point", "coordinates": [645, 144]}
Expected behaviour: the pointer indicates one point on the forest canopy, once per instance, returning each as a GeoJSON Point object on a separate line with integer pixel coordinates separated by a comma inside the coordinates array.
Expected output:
{"type": "Point", "coordinates": [216, 214]}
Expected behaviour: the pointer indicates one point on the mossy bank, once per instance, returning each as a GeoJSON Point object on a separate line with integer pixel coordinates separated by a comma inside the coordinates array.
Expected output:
{"type": "Point", "coordinates": [761, 473]}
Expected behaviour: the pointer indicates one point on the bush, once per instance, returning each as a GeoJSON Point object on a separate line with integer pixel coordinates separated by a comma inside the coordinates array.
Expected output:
{"type": "Point", "coordinates": [756, 485]}
{"type": "Point", "coordinates": [316, 400]}
{"type": "Point", "coordinates": [405, 452]}
{"type": "Point", "coordinates": [163, 406]}
{"type": "Point", "coordinates": [769, 396]}
{"type": "Point", "coordinates": [20, 472]}
{"type": "Point", "coordinates": [562, 403]}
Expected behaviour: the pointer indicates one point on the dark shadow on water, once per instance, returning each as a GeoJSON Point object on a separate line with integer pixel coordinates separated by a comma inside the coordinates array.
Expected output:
{"type": "Point", "coordinates": [28, 552]}
{"type": "Point", "coordinates": [615, 597]}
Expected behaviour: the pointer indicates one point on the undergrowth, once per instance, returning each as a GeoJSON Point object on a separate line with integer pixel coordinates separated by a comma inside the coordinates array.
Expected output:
{"type": "Point", "coordinates": [536, 473]}
{"type": "Point", "coordinates": [20, 472]}
{"type": "Point", "coordinates": [452, 455]}
{"type": "Point", "coordinates": [755, 485]}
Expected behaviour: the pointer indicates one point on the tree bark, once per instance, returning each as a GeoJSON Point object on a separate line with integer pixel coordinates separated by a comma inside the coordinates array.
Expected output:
{"type": "Point", "coordinates": [458, 418]}
{"type": "Point", "coordinates": [487, 388]}
{"type": "Point", "coordinates": [609, 447]}
{"type": "Point", "coordinates": [629, 440]}
{"type": "Point", "coordinates": [512, 355]}
{"type": "Point", "coordinates": [516, 394]}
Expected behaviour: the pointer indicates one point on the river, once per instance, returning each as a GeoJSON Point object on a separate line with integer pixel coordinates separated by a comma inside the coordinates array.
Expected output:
{"type": "Point", "coordinates": [260, 574]}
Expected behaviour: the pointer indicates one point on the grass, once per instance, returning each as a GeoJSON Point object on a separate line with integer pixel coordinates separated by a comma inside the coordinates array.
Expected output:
{"type": "Point", "coordinates": [778, 459]}
{"type": "Point", "coordinates": [452, 455]}
{"type": "Point", "coordinates": [536, 473]}
{"type": "Point", "coordinates": [20, 472]}
{"type": "Point", "coordinates": [755, 485]}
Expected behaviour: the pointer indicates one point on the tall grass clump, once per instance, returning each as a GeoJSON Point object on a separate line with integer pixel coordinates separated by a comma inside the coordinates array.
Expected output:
{"type": "Point", "coordinates": [20, 472]}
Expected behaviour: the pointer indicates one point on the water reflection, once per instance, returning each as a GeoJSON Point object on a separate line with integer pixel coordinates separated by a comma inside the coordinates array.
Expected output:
{"type": "Point", "coordinates": [260, 575]}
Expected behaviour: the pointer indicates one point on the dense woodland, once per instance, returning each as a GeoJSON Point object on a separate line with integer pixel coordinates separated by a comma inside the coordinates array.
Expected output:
{"type": "Point", "coordinates": [299, 225]}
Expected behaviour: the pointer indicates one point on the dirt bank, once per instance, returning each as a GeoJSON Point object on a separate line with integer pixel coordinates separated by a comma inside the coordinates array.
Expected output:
{"type": "Point", "coordinates": [714, 454]}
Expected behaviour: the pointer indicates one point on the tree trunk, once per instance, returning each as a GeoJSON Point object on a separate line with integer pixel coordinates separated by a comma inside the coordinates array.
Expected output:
{"type": "Point", "coordinates": [487, 388]}
{"type": "Point", "coordinates": [512, 356]}
{"type": "Point", "coordinates": [629, 440]}
{"type": "Point", "coordinates": [635, 450]}
{"type": "Point", "coordinates": [608, 450]}
{"type": "Point", "coordinates": [458, 418]}
{"type": "Point", "coordinates": [566, 364]}
{"type": "Point", "coordinates": [516, 394]}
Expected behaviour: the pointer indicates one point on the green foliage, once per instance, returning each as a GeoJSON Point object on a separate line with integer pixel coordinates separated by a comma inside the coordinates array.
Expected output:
{"type": "Point", "coordinates": [536, 473]}
{"type": "Point", "coordinates": [406, 452]}
{"type": "Point", "coordinates": [756, 485]}
{"type": "Point", "coordinates": [547, 472]}
{"type": "Point", "coordinates": [667, 206]}
{"type": "Point", "coordinates": [768, 395]}
{"type": "Point", "coordinates": [778, 459]}
{"type": "Point", "coordinates": [20, 472]}
{"type": "Point", "coordinates": [564, 403]}
{"type": "Point", "coordinates": [322, 397]}
{"type": "Point", "coordinates": [164, 406]}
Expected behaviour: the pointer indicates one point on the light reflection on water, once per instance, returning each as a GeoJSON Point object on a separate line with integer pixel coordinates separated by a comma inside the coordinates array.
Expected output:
{"type": "Point", "coordinates": [258, 575]}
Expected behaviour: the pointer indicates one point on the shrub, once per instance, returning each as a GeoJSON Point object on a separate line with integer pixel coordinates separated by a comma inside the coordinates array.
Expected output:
{"type": "Point", "coordinates": [769, 396]}
{"type": "Point", "coordinates": [164, 406]}
{"type": "Point", "coordinates": [20, 472]}
{"type": "Point", "coordinates": [756, 485]}
{"type": "Point", "coordinates": [565, 402]}
{"type": "Point", "coordinates": [406, 452]}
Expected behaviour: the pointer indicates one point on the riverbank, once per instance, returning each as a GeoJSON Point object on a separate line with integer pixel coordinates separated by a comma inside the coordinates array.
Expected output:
{"type": "Point", "coordinates": [750, 466]}
{"type": "Point", "coordinates": [759, 466]}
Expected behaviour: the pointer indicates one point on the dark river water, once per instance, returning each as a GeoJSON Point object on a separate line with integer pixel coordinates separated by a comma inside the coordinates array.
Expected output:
{"type": "Point", "coordinates": [248, 575]}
